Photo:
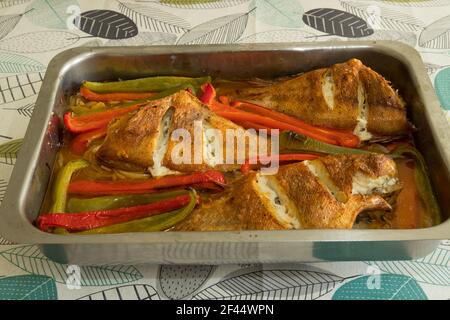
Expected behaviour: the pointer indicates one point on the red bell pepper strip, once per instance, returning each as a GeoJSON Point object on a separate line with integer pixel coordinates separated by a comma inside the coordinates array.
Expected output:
{"type": "Point", "coordinates": [272, 123]}
{"type": "Point", "coordinates": [91, 187]}
{"type": "Point", "coordinates": [247, 166]}
{"type": "Point", "coordinates": [95, 219]}
{"type": "Point", "coordinates": [209, 94]}
{"type": "Point", "coordinates": [95, 120]}
{"type": "Point", "coordinates": [79, 144]}
{"type": "Point", "coordinates": [114, 96]}
{"type": "Point", "coordinates": [344, 138]}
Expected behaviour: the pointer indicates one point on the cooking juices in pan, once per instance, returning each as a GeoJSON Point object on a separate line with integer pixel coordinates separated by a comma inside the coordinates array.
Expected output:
{"type": "Point", "coordinates": [148, 155]}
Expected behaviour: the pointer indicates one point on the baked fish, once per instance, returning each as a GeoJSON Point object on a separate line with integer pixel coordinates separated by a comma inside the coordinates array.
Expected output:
{"type": "Point", "coordinates": [348, 96]}
{"type": "Point", "coordinates": [328, 192]}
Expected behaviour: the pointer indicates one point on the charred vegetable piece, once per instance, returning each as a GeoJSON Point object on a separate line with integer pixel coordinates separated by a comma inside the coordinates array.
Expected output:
{"type": "Point", "coordinates": [296, 142]}
{"type": "Point", "coordinates": [158, 222]}
{"type": "Point", "coordinates": [62, 182]}
{"type": "Point", "coordinates": [421, 177]}
{"type": "Point", "coordinates": [117, 201]}
{"type": "Point", "coordinates": [113, 96]}
{"type": "Point", "coordinates": [90, 187]}
{"type": "Point", "coordinates": [101, 218]}
{"type": "Point", "coordinates": [151, 84]}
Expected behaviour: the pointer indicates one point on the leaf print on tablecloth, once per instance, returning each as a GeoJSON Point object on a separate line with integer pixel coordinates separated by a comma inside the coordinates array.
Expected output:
{"type": "Point", "coordinates": [3, 186]}
{"type": "Point", "coordinates": [7, 23]}
{"type": "Point", "coordinates": [50, 13]}
{"type": "Point", "coordinates": [181, 281]}
{"type": "Point", "coordinates": [106, 24]}
{"type": "Point", "coordinates": [21, 86]}
{"type": "Point", "coordinates": [30, 259]}
{"type": "Point", "coordinates": [392, 287]}
{"type": "Point", "coordinates": [416, 3]}
{"type": "Point", "coordinates": [226, 29]}
{"type": "Point", "coordinates": [128, 292]}
{"type": "Point", "coordinates": [436, 35]}
{"type": "Point", "coordinates": [285, 35]}
{"type": "Point", "coordinates": [28, 287]}
{"type": "Point", "coordinates": [337, 22]}
{"type": "Point", "coordinates": [432, 269]}
{"type": "Point", "coordinates": [3, 241]}
{"type": "Point", "coordinates": [272, 284]}
{"type": "Point", "coordinates": [9, 150]}
{"type": "Point", "coordinates": [12, 63]}
{"type": "Point", "coordinates": [10, 3]}
{"type": "Point", "coordinates": [280, 13]}
{"type": "Point", "coordinates": [25, 110]}
{"type": "Point", "coordinates": [442, 87]}
{"type": "Point", "coordinates": [40, 41]}
{"type": "Point", "coordinates": [383, 18]}
{"type": "Point", "coordinates": [199, 4]}
{"type": "Point", "coordinates": [153, 18]}
{"type": "Point", "coordinates": [145, 38]}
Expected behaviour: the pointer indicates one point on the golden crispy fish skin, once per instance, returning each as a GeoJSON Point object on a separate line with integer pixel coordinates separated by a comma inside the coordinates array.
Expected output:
{"type": "Point", "coordinates": [315, 201]}
{"type": "Point", "coordinates": [333, 97]}
{"type": "Point", "coordinates": [132, 140]}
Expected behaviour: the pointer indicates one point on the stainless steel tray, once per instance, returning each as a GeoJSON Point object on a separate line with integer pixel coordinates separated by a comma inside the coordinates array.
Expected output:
{"type": "Point", "coordinates": [397, 62]}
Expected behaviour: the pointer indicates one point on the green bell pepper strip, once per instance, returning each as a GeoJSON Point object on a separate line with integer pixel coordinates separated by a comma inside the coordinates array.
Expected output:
{"type": "Point", "coordinates": [62, 183]}
{"type": "Point", "coordinates": [154, 223]}
{"type": "Point", "coordinates": [291, 141]}
{"type": "Point", "coordinates": [421, 177]}
{"type": "Point", "coordinates": [117, 201]}
{"type": "Point", "coordinates": [151, 84]}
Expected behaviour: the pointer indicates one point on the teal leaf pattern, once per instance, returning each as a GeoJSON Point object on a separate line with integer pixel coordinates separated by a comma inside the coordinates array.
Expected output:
{"type": "Point", "coordinates": [28, 287]}
{"type": "Point", "coordinates": [272, 284]}
{"type": "Point", "coordinates": [392, 287]}
{"type": "Point", "coordinates": [225, 29]}
{"type": "Point", "coordinates": [50, 13]}
{"type": "Point", "coordinates": [442, 87]}
{"type": "Point", "coordinates": [432, 269]}
{"type": "Point", "coordinates": [180, 282]}
{"type": "Point", "coordinates": [280, 13]}
{"type": "Point", "coordinates": [30, 259]}
{"type": "Point", "coordinates": [128, 292]}
{"type": "Point", "coordinates": [9, 150]}
{"type": "Point", "coordinates": [12, 63]}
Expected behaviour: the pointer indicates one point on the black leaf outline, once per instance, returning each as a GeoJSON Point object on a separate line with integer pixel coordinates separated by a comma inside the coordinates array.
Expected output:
{"type": "Point", "coordinates": [126, 292]}
{"type": "Point", "coordinates": [39, 41]}
{"type": "Point", "coordinates": [225, 29]}
{"type": "Point", "coordinates": [153, 18]}
{"type": "Point", "coordinates": [436, 35]}
{"type": "Point", "coordinates": [25, 110]}
{"type": "Point", "coordinates": [277, 283]}
{"type": "Point", "coordinates": [386, 18]}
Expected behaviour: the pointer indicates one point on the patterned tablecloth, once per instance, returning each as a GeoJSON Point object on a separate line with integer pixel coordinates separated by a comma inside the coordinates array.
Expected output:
{"type": "Point", "coordinates": [33, 31]}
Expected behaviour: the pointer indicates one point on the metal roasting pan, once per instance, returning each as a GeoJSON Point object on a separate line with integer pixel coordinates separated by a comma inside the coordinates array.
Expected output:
{"type": "Point", "coordinates": [399, 63]}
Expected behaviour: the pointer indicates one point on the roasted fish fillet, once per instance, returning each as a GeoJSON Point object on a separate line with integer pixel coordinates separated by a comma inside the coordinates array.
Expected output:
{"type": "Point", "coordinates": [143, 140]}
{"type": "Point", "coordinates": [328, 192]}
{"type": "Point", "coordinates": [347, 95]}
